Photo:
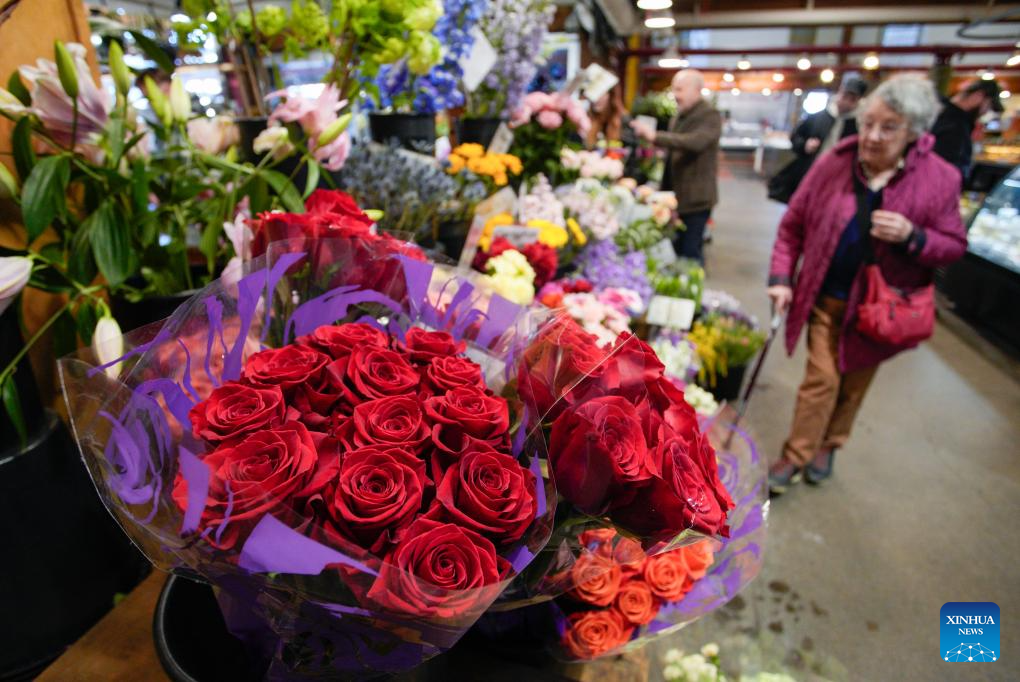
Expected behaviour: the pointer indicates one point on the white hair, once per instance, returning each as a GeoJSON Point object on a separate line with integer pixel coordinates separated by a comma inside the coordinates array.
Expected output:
{"type": "Point", "coordinates": [695, 76]}
{"type": "Point", "coordinates": [910, 95]}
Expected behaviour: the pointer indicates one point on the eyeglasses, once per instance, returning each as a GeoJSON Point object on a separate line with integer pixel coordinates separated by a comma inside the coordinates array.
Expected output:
{"type": "Point", "coordinates": [886, 131]}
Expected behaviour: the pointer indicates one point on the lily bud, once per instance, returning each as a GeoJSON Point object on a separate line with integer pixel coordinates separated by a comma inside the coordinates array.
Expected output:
{"type": "Point", "coordinates": [158, 101]}
{"type": "Point", "coordinates": [65, 70]}
{"type": "Point", "coordinates": [333, 130]}
{"type": "Point", "coordinates": [15, 272]}
{"type": "Point", "coordinates": [118, 69]}
{"type": "Point", "coordinates": [180, 102]}
{"type": "Point", "coordinates": [108, 344]}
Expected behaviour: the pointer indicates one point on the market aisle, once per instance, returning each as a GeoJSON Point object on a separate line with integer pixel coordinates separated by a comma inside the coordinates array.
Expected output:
{"type": "Point", "coordinates": [923, 506]}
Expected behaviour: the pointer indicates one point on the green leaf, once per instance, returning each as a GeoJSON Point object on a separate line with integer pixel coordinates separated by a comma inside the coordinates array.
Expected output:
{"type": "Point", "coordinates": [210, 242]}
{"type": "Point", "coordinates": [12, 404]}
{"type": "Point", "coordinates": [153, 52]}
{"type": "Point", "coordinates": [147, 228]}
{"type": "Point", "coordinates": [65, 335]}
{"type": "Point", "coordinates": [258, 195]}
{"type": "Point", "coordinates": [139, 187]}
{"type": "Point", "coordinates": [18, 89]}
{"type": "Point", "coordinates": [44, 190]}
{"type": "Point", "coordinates": [115, 134]}
{"type": "Point", "coordinates": [284, 189]}
{"type": "Point", "coordinates": [49, 279]}
{"type": "Point", "coordinates": [313, 178]}
{"type": "Point", "coordinates": [111, 243]}
{"type": "Point", "coordinates": [81, 266]}
{"type": "Point", "coordinates": [86, 318]}
{"type": "Point", "coordinates": [21, 146]}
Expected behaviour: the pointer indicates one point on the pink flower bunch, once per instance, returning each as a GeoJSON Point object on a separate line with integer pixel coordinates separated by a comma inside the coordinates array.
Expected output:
{"type": "Point", "coordinates": [550, 111]}
{"type": "Point", "coordinates": [314, 116]}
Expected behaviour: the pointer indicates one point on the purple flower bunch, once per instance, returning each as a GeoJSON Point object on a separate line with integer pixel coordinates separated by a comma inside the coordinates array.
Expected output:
{"type": "Point", "coordinates": [725, 304]}
{"type": "Point", "coordinates": [516, 29]}
{"type": "Point", "coordinates": [602, 264]}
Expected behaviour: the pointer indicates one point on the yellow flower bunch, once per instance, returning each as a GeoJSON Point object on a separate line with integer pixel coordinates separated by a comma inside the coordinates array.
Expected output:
{"type": "Point", "coordinates": [473, 157]}
{"type": "Point", "coordinates": [550, 233]}
{"type": "Point", "coordinates": [706, 340]}
{"type": "Point", "coordinates": [485, 241]}
{"type": "Point", "coordinates": [469, 150]}
{"type": "Point", "coordinates": [575, 230]}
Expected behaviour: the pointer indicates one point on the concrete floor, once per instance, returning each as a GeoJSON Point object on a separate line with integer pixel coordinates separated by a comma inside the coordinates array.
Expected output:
{"type": "Point", "coordinates": [923, 508]}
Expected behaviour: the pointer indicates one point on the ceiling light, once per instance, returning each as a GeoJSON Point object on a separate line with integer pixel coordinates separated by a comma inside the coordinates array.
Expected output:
{"type": "Point", "coordinates": [673, 63]}
{"type": "Point", "coordinates": [1014, 60]}
{"type": "Point", "coordinates": [180, 18]}
{"type": "Point", "coordinates": [728, 77]}
{"type": "Point", "coordinates": [870, 61]}
{"type": "Point", "coordinates": [744, 64]}
{"type": "Point", "coordinates": [778, 77]}
{"type": "Point", "coordinates": [798, 92]}
{"type": "Point", "coordinates": [827, 76]}
{"type": "Point", "coordinates": [660, 22]}
{"type": "Point", "coordinates": [803, 63]}
{"type": "Point", "coordinates": [654, 4]}
{"type": "Point", "coordinates": [1004, 94]}
{"type": "Point", "coordinates": [766, 91]}
{"type": "Point", "coordinates": [988, 76]}
{"type": "Point", "coordinates": [735, 91]}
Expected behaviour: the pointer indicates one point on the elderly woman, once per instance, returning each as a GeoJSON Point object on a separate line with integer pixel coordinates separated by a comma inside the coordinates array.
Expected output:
{"type": "Point", "coordinates": [816, 271]}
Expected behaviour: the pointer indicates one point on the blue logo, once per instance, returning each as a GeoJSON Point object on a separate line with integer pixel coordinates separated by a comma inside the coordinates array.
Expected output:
{"type": "Point", "coordinates": [969, 631]}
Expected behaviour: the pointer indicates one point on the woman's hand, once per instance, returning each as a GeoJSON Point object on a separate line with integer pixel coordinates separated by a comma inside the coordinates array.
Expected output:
{"type": "Point", "coordinates": [890, 226]}
{"type": "Point", "coordinates": [781, 295]}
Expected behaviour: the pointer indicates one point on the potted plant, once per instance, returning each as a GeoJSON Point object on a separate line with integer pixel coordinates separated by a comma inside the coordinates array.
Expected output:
{"type": "Point", "coordinates": [726, 342]}
{"type": "Point", "coordinates": [546, 126]}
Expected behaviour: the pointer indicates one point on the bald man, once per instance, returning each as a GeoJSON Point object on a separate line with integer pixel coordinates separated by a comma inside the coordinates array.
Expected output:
{"type": "Point", "coordinates": [692, 142]}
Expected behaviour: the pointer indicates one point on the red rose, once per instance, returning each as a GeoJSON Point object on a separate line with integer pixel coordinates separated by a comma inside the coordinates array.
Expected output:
{"type": "Point", "coordinates": [422, 345]}
{"type": "Point", "coordinates": [597, 450]}
{"type": "Point", "coordinates": [579, 286]}
{"type": "Point", "coordinates": [440, 569]}
{"type": "Point", "coordinates": [336, 202]}
{"type": "Point", "coordinates": [560, 356]}
{"type": "Point", "coordinates": [498, 246]}
{"type": "Point", "coordinates": [395, 420]}
{"type": "Point", "coordinates": [450, 371]}
{"type": "Point", "coordinates": [270, 227]}
{"type": "Point", "coordinates": [234, 410]}
{"type": "Point", "coordinates": [680, 499]}
{"type": "Point", "coordinates": [376, 493]}
{"type": "Point", "coordinates": [666, 575]}
{"type": "Point", "coordinates": [370, 372]}
{"type": "Point", "coordinates": [464, 415]}
{"type": "Point", "coordinates": [596, 579]}
{"type": "Point", "coordinates": [250, 479]}
{"type": "Point", "coordinates": [490, 493]}
{"type": "Point", "coordinates": [543, 260]}
{"type": "Point", "coordinates": [636, 603]}
{"type": "Point", "coordinates": [339, 340]}
{"type": "Point", "coordinates": [591, 634]}
{"type": "Point", "coordinates": [316, 400]}
{"type": "Point", "coordinates": [285, 367]}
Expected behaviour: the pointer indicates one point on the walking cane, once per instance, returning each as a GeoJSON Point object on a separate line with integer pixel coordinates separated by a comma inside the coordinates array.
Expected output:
{"type": "Point", "coordinates": [774, 324]}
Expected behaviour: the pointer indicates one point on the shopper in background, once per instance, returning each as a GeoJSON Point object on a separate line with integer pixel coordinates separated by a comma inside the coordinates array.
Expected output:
{"type": "Point", "coordinates": [692, 141]}
{"type": "Point", "coordinates": [816, 270]}
{"type": "Point", "coordinates": [817, 134]}
{"type": "Point", "coordinates": [954, 127]}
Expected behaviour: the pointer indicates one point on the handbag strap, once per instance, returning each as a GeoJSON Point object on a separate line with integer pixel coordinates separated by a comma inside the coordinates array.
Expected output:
{"type": "Point", "coordinates": [864, 210]}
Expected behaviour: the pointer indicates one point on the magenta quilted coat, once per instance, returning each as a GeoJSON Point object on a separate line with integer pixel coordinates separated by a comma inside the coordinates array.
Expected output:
{"type": "Point", "coordinates": [926, 191]}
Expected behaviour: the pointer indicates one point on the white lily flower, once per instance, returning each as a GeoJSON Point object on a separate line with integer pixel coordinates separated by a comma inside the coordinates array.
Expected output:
{"type": "Point", "coordinates": [108, 344]}
{"type": "Point", "coordinates": [14, 274]}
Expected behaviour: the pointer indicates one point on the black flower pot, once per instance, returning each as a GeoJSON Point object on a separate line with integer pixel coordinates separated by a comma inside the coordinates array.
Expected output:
{"type": "Point", "coordinates": [64, 556]}
{"type": "Point", "coordinates": [728, 387]}
{"type": "Point", "coordinates": [416, 132]}
{"type": "Point", "coordinates": [452, 234]}
{"type": "Point", "coordinates": [478, 130]}
{"type": "Point", "coordinates": [248, 128]}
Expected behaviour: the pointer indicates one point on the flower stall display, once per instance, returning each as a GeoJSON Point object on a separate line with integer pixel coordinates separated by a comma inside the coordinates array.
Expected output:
{"type": "Point", "coordinates": [605, 314]}
{"type": "Point", "coordinates": [592, 207]}
{"type": "Point", "coordinates": [589, 164]}
{"type": "Point", "coordinates": [470, 162]}
{"type": "Point", "coordinates": [726, 344]}
{"type": "Point", "coordinates": [543, 125]}
{"type": "Point", "coordinates": [683, 279]}
{"type": "Point", "coordinates": [604, 265]}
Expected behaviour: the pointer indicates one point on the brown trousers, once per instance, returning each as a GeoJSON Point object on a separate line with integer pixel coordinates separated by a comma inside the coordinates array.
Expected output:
{"type": "Point", "coordinates": [827, 401]}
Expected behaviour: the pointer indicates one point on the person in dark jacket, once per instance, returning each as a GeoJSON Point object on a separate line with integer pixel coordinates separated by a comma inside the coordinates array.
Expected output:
{"type": "Point", "coordinates": [954, 128]}
{"type": "Point", "coordinates": [817, 134]}
{"type": "Point", "coordinates": [691, 164]}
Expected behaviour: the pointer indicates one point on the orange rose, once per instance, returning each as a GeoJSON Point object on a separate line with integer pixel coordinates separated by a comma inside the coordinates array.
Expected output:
{"type": "Point", "coordinates": [593, 633]}
{"type": "Point", "coordinates": [629, 555]}
{"type": "Point", "coordinates": [596, 579]}
{"type": "Point", "coordinates": [598, 540]}
{"type": "Point", "coordinates": [636, 603]}
{"type": "Point", "coordinates": [697, 557]}
{"type": "Point", "coordinates": [666, 574]}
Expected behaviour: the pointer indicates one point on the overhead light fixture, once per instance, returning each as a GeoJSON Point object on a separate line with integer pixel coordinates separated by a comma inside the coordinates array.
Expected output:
{"type": "Point", "coordinates": [803, 63]}
{"type": "Point", "coordinates": [654, 4]}
{"type": "Point", "coordinates": [766, 91]}
{"type": "Point", "coordinates": [728, 77]}
{"type": "Point", "coordinates": [179, 18]}
{"type": "Point", "coordinates": [778, 77]}
{"type": "Point", "coordinates": [827, 75]}
{"type": "Point", "coordinates": [735, 92]}
{"type": "Point", "coordinates": [870, 61]}
{"type": "Point", "coordinates": [660, 21]}
{"type": "Point", "coordinates": [671, 59]}
{"type": "Point", "coordinates": [1014, 60]}
{"type": "Point", "coordinates": [744, 63]}
{"type": "Point", "coordinates": [988, 76]}
{"type": "Point", "coordinates": [798, 92]}
{"type": "Point", "coordinates": [1004, 94]}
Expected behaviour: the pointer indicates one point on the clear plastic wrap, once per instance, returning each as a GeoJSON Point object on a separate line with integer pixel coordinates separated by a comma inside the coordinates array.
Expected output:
{"type": "Point", "coordinates": [292, 583]}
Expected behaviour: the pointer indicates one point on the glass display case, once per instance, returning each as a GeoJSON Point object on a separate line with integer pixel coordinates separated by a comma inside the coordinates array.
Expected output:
{"type": "Point", "coordinates": [994, 232]}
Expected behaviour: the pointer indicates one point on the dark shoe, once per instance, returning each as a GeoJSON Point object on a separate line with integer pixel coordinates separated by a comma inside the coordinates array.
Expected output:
{"type": "Point", "coordinates": [782, 475]}
{"type": "Point", "coordinates": [820, 467]}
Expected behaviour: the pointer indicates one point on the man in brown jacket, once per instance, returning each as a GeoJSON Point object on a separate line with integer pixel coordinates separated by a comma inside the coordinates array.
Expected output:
{"type": "Point", "coordinates": [692, 142]}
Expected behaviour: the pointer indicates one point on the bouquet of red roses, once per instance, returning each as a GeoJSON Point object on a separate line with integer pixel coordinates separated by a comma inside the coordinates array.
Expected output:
{"type": "Point", "coordinates": [339, 441]}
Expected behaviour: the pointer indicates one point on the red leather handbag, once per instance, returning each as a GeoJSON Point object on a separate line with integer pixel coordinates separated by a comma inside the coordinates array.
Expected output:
{"type": "Point", "coordinates": [889, 315]}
